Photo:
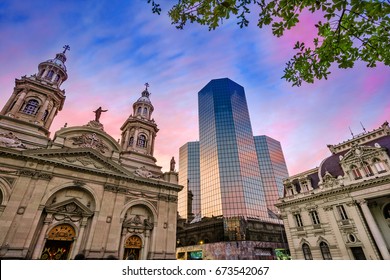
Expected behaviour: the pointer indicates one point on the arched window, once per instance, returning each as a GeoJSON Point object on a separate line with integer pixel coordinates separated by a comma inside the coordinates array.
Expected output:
{"type": "Point", "coordinates": [131, 141]}
{"type": "Point", "coordinates": [367, 169]}
{"type": "Point", "coordinates": [325, 251]}
{"type": "Point", "coordinates": [307, 252]}
{"type": "Point", "coordinates": [57, 78]}
{"type": "Point", "coordinates": [50, 74]}
{"type": "Point", "coordinates": [139, 110]}
{"type": "Point", "coordinates": [356, 172]}
{"type": "Point", "coordinates": [145, 111]}
{"type": "Point", "coordinates": [141, 142]}
{"type": "Point", "coordinates": [31, 107]}
{"type": "Point", "coordinates": [379, 165]}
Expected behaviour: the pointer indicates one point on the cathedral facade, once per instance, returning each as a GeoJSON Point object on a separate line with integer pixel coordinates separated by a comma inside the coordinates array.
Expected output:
{"type": "Point", "coordinates": [80, 192]}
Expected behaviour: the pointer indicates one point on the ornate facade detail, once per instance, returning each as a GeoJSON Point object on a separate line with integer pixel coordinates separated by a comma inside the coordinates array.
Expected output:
{"type": "Point", "coordinates": [328, 181]}
{"type": "Point", "coordinates": [145, 173]}
{"type": "Point", "coordinates": [90, 140]}
{"type": "Point", "coordinates": [45, 176]}
{"type": "Point", "coordinates": [116, 189]}
{"type": "Point", "coordinates": [138, 222]}
{"type": "Point", "coordinates": [28, 173]}
{"type": "Point", "coordinates": [10, 140]}
{"type": "Point", "coordinates": [71, 210]}
{"type": "Point", "coordinates": [95, 124]}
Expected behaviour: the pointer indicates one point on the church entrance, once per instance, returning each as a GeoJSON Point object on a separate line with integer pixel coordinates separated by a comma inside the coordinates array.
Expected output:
{"type": "Point", "coordinates": [133, 247]}
{"type": "Point", "coordinates": [59, 243]}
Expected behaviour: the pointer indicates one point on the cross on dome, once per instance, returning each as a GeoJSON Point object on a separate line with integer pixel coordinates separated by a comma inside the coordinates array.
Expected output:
{"type": "Point", "coordinates": [66, 48]}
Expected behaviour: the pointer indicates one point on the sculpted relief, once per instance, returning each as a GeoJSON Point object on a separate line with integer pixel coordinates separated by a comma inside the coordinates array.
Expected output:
{"type": "Point", "coordinates": [9, 140]}
{"type": "Point", "coordinates": [90, 141]}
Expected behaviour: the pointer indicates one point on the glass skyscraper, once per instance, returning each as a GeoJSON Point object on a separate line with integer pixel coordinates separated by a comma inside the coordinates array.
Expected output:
{"type": "Point", "coordinates": [230, 179]}
{"type": "Point", "coordinates": [272, 167]}
{"type": "Point", "coordinates": [190, 179]}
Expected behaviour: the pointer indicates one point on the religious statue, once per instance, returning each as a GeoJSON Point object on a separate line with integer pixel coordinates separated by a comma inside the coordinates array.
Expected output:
{"type": "Point", "coordinates": [172, 164]}
{"type": "Point", "coordinates": [98, 113]}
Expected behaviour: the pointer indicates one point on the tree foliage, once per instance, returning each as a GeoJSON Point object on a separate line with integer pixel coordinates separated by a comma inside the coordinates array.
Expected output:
{"type": "Point", "coordinates": [349, 30]}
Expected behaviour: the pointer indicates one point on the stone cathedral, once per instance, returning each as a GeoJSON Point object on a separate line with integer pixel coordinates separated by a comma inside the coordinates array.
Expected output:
{"type": "Point", "coordinates": [81, 191]}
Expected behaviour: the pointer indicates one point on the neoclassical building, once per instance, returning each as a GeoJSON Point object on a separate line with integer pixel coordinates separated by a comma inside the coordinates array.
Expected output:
{"type": "Point", "coordinates": [80, 191]}
{"type": "Point", "coordinates": [341, 210]}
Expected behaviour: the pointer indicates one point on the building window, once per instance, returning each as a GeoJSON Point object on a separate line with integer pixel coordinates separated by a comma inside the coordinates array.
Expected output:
{"type": "Point", "coordinates": [31, 107]}
{"type": "Point", "coordinates": [314, 217]}
{"type": "Point", "coordinates": [141, 141]}
{"type": "Point", "coordinates": [325, 251]}
{"type": "Point", "coordinates": [342, 213]}
{"type": "Point", "coordinates": [298, 220]}
{"type": "Point", "coordinates": [50, 74]}
{"type": "Point", "coordinates": [145, 111]}
{"type": "Point", "coordinates": [139, 110]}
{"type": "Point", "coordinates": [367, 169]}
{"type": "Point", "coordinates": [380, 167]}
{"type": "Point", "coordinates": [304, 186]}
{"type": "Point", "coordinates": [131, 141]}
{"type": "Point", "coordinates": [307, 252]}
{"type": "Point", "coordinates": [356, 172]}
{"type": "Point", "coordinates": [290, 191]}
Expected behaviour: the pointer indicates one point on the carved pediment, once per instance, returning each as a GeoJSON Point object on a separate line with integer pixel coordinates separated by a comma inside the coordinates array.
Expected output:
{"type": "Point", "coordinates": [358, 153]}
{"type": "Point", "coordinates": [71, 209]}
{"type": "Point", "coordinates": [90, 140]}
{"type": "Point", "coordinates": [138, 222]}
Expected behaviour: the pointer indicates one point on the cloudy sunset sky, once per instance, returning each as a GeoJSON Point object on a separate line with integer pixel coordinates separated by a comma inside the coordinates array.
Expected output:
{"type": "Point", "coordinates": [118, 46]}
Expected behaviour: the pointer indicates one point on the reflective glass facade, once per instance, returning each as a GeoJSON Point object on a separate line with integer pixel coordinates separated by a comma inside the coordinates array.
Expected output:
{"type": "Point", "coordinates": [229, 169]}
{"type": "Point", "coordinates": [189, 177]}
{"type": "Point", "coordinates": [273, 168]}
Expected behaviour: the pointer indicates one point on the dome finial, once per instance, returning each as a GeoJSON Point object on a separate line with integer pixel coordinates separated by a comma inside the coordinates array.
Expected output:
{"type": "Point", "coordinates": [66, 48]}
{"type": "Point", "coordinates": [146, 85]}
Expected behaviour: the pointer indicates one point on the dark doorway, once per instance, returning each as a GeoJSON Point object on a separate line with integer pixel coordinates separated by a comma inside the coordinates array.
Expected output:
{"type": "Point", "coordinates": [358, 253]}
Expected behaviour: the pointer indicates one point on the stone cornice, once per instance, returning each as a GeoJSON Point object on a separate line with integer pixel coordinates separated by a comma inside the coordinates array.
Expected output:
{"type": "Point", "coordinates": [343, 189]}
{"type": "Point", "coordinates": [121, 173]}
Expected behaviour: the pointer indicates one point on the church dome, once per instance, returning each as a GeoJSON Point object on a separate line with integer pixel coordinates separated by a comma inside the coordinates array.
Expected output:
{"type": "Point", "coordinates": [59, 61]}
{"type": "Point", "coordinates": [144, 97]}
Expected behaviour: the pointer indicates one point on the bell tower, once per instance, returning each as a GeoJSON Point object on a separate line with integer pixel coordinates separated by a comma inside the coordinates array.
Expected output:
{"type": "Point", "coordinates": [34, 103]}
{"type": "Point", "coordinates": [138, 136]}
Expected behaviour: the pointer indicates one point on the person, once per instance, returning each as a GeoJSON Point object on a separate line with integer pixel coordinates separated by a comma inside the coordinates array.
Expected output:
{"type": "Point", "coordinates": [173, 164]}
{"type": "Point", "coordinates": [111, 257]}
{"type": "Point", "coordinates": [79, 257]}
{"type": "Point", "coordinates": [98, 113]}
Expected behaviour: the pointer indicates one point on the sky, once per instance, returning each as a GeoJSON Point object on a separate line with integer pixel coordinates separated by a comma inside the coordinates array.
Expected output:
{"type": "Point", "coordinates": [118, 46]}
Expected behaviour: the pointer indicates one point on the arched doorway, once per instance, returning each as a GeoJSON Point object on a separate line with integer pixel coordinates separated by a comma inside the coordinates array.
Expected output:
{"type": "Point", "coordinates": [59, 243]}
{"type": "Point", "coordinates": [133, 246]}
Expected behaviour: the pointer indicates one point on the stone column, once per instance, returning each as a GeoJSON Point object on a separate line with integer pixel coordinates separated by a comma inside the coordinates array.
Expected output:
{"type": "Point", "coordinates": [135, 142]}
{"type": "Point", "coordinates": [377, 235]}
{"type": "Point", "coordinates": [19, 102]}
{"type": "Point", "coordinates": [76, 249]}
{"type": "Point", "coordinates": [146, 245]}
{"type": "Point", "coordinates": [122, 243]}
{"type": "Point", "coordinates": [51, 117]}
{"type": "Point", "coordinates": [126, 140]}
{"type": "Point", "coordinates": [41, 239]}
{"type": "Point", "coordinates": [42, 110]}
